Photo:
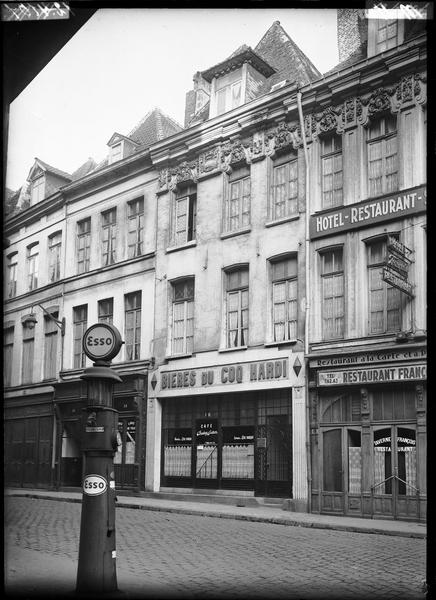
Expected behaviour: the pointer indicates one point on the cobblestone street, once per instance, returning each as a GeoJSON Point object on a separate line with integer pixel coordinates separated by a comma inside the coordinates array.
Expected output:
{"type": "Point", "coordinates": [175, 555]}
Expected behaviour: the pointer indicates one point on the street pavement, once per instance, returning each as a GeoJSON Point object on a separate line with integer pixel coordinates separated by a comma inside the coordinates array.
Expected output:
{"type": "Point", "coordinates": [164, 554]}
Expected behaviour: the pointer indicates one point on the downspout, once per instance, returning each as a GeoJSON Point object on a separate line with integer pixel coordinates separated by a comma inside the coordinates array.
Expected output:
{"type": "Point", "coordinates": [307, 303]}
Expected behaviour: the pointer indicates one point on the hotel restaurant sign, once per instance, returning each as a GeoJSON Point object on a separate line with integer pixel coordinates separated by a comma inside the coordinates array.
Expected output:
{"type": "Point", "coordinates": [362, 214]}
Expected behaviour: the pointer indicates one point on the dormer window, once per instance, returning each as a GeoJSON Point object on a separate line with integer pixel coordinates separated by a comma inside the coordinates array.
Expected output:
{"type": "Point", "coordinates": [120, 147]}
{"type": "Point", "coordinates": [38, 189]}
{"type": "Point", "coordinates": [228, 97]}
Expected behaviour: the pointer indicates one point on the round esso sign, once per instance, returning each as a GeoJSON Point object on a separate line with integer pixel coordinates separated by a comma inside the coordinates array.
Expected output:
{"type": "Point", "coordinates": [94, 485]}
{"type": "Point", "coordinates": [102, 341]}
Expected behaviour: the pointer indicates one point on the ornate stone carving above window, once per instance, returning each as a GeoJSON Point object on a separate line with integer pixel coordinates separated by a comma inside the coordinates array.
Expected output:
{"type": "Point", "coordinates": [208, 161]}
{"type": "Point", "coordinates": [234, 152]}
{"type": "Point", "coordinates": [285, 135]}
{"type": "Point", "coordinates": [410, 90]}
{"type": "Point", "coordinates": [184, 172]}
{"type": "Point", "coordinates": [328, 120]}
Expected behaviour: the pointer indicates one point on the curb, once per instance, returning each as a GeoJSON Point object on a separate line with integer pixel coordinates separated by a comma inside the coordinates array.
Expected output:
{"type": "Point", "coordinates": [252, 518]}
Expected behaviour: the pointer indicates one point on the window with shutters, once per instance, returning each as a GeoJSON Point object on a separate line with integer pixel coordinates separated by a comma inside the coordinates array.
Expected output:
{"type": "Point", "coordinates": [109, 236]}
{"type": "Point", "coordinates": [182, 337]}
{"type": "Point", "coordinates": [284, 192]}
{"type": "Point", "coordinates": [32, 266]}
{"type": "Point", "coordinates": [50, 347]}
{"type": "Point", "coordinates": [37, 190]}
{"type": "Point", "coordinates": [384, 300]}
{"type": "Point", "coordinates": [135, 217]}
{"type": "Point", "coordinates": [106, 310]}
{"type": "Point", "coordinates": [332, 283]}
{"type": "Point", "coordinates": [238, 201]}
{"type": "Point", "coordinates": [54, 256]}
{"type": "Point", "coordinates": [12, 265]}
{"type": "Point", "coordinates": [83, 245]}
{"type": "Point", "coordinates": [28, 354]}
{"type": "Point", "coordinates": [237, 308]}
{"type": "Point", "coordinates": [132, 308]}
{"type": "Point", "coordinates": [284, 299]}
{"type": "Point", "coordinates": [184, 216]}
{"type": "Point", "coordinates": [80, 320]}
{"type": "Point", "coordinates": [331, 163]}
{"type": "Point", "coordinates": [8, 349]}
{"type": "Point", "coordinates": [382, 156]}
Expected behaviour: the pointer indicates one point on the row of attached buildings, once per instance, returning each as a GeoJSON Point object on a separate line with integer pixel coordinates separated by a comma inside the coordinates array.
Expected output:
{"type": "Point", "coordinates": [266, 267]}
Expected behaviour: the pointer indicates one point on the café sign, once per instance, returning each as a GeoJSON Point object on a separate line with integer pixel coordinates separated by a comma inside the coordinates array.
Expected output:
{"type": "Point", "coordinates": [385, 374]}
{"type": "Point", "coordinates": [369, 212]}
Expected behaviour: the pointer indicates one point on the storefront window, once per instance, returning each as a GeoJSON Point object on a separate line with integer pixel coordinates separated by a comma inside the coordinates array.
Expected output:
{"type": "Point", "coordinates": [177, 453]}
{"type": "Point", "coordinates": [238, 452]}
{"type": "Point", "coordinates": [395, 461]}
{"type": "Point", "coordinates": [354, 462]}
{"type": "Point", "coordinates": [332, 455]}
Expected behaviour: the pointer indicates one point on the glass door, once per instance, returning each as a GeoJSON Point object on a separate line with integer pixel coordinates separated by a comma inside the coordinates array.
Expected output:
{"type": "Point", "coordinates": [206, 452]}
{"type": "Point", "coordinates": [394, 471]}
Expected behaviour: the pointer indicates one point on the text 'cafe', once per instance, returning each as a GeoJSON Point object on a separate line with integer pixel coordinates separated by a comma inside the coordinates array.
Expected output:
{"type": "Point", "coordinates": [234, 426]}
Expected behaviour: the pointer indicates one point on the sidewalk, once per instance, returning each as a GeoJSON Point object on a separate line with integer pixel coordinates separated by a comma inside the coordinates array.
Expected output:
{"type": "Point", "coordinates": [265, 514]}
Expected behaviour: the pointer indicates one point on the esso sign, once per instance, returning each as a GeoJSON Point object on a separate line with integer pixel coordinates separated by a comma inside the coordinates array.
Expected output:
{"type": "Point", "coordinates": [94, 485]}
{"type": "Point", "coordinates": [102, 341]}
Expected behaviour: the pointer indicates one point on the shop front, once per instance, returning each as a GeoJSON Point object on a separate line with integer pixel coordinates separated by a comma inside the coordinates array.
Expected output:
{"type": "Point", "coordinates": [368, 433]}
{"type": "Point", "coordinates": [129, 460]}
{"type": "Point", "coordinates": [234, 426]}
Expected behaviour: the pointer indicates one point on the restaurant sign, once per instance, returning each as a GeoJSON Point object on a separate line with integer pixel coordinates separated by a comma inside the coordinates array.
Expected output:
{"type": "Point", "coordinates": [369, 212]}
{"type": "Point", "coordinates": [363, 358]}
{"type": "Point", "coordinates": [385, 374]}
{"type": "Point", "coordinates": [396, 271]}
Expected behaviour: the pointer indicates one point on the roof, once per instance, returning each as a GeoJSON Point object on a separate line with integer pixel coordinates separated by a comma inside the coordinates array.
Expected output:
{"type": "Point", "coordinates": [46, 167]}
{"type": "Point", "coordinates": [282, 53]}
{"type": "Point", "coordinates": [356, 56]}
{"type": "Point", "coordinates": [241, 55]}
{"type": "Point", "coordinates": [155, 126]}
{"type": "Point", "coordinates": [117, 137]}
{"type": "Point", "coordinates": [87, 167]}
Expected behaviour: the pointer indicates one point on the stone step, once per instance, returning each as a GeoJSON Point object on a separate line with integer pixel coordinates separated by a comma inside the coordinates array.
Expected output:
{"type": "Point", "coordinates": [232, 500]}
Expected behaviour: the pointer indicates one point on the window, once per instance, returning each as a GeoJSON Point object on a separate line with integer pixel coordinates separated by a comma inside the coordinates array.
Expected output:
{"type": "Point", "coordinates": [80, 319]}
{"type": "Point", "coordinates": [183, 317]}
{"type": "Point", "coordinates": [284, 299]}
{"type": "Point", "coordinates": [237, 308]}
{"type": "Point", "coordinates": [384, 300]}
{"type": "Point", "coordinates": [32, 266]}
{"type": "Point", "coordinates": [109, 226]}
{"type": "Point", "coordinates": [38, 189]}
{"type": "Point", "coordinates": [284, 187]}
{"type": "Point", "coordinates": [8, 349]}
{"type": "Point", "coordinates": [83, 245]}
{"type": "Point", "coordinates": [54, 251]}
{"type": "Point", "coordinates": [116, 152]}
{"type": "Point", "coordinates": [229, 97]}
{"type": "Point", "coordinates": [382, 156]}
{"type": "Point", "coordinates": [50, 347]}
{"type": "Point", "coordinates": [185, 215]}
{"type": "Point", "coordinates": [238, 200]}
{"type": "Point", "coordinates": [132, 307]}
{"type": "Point", "coordinates": [331, 161]}
{"type": "Point", "coordinates": [332, 275]}
{"type": "Point", "coordinates": [387, 34]}
{"type": "Point", "coordinates": [12, 275]}
{"type": "Point", "coordinates": [106, 310]}
{"type": "Point", "coordinates": [135, 215]}
{"type": "Point", "coordinates": [28, 353]}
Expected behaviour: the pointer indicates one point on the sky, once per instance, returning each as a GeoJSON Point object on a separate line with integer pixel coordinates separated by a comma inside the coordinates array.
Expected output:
{"type": "Point", "coordinates": [124, 62]}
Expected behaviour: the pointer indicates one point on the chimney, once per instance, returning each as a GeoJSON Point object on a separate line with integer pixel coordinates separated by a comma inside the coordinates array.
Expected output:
{"type": "Point", "coordinates": [352, 31]}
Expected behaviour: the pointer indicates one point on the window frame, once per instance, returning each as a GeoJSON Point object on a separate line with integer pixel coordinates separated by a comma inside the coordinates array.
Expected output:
{"type": "Point", "coordinates": [38, 189]}
{"type": "Point", "coordinates": [385, 287]}
{"type": "Point", "coordinates": [28, 354]}
{"type": "Point", "coordinates": [382, 140]}
{"type": "Point", "coordinates": [229, 101]}
{"type": "Point", "coordinates": [8, 354]}
{"type": "Point", "coordinates": [330, 155]}
{"type": "Point", "coordinates": [79, 328]}
{"type": "Point", "coordinates": [50, 344]}
{"type": "Point", "coordinates": [186, 194]}
{"type": "Point", "coordinates": [12, 272]}
{"type": "Point", "coordinates": [188, 303]}
{"type": "Point", "coordinates": [384, 24]}
{"type": "Point", "coordinates": [324, 276]}
{"type": "Point", "coordinates": [54, 252]}
{"type": "Point", "coordinates": [286, 279]}
{"type": "Point", "coordinates": [105, 317]}
{"type": "Point", "coordinates": [136, 311]}
{"type": "Point", "coordinates": [32, 259]}
{"type": "Point", "coordinates": [109, 230]}
{"type": "Point", "coordinates": [237, 291]}
{"type": "Point", "coordinates": [135, 227]}
{"type": "Point", "coordinates": [286, 161]}
{"type": "Point", "coordinates": [238, 178]}
{"type": "Point", "coordinates": [84, 236]}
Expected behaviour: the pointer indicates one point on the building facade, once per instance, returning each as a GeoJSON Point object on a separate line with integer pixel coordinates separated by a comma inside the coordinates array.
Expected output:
{"type": "Point", "coordinates": [266, 267]}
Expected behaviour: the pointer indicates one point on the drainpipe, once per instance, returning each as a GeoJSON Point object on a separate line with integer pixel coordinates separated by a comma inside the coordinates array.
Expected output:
{"type": "Point", "coordinates": [307, 303]}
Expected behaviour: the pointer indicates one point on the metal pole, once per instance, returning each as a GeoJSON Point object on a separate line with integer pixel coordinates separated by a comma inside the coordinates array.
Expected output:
{"type": "Point", "coordinates": [96, 571]}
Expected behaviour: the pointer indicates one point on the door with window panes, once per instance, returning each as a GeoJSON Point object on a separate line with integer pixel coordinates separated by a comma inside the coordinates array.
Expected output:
{"type": "Point", "coordinates": [125, 459]}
